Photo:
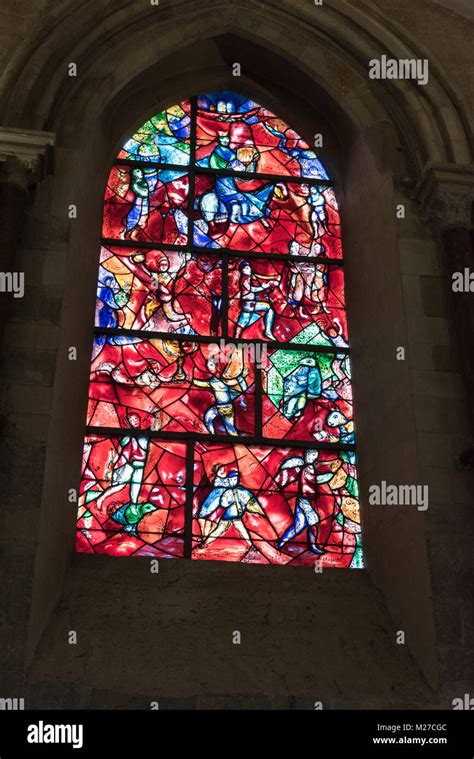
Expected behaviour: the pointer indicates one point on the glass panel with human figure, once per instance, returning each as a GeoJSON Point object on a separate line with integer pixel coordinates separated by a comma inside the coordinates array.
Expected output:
{"type": "Point", "coordinates": [177, 292]}
{"type": "Point", "coordinates": [170, 385]}
{"type": "Point", "coordinates": [266, 216]}
{"type": "Point", "coordinates": [235, 134]}
{"type": "Point", "coordinates": [266, 505]}
{"type": "Point", "coordinates": [300, 302]}
{"type": "Point", "coordinates": [146, 204]}
{"type": "Point", "coordinates": [307, 396]}
{"type": "Point", "coordinates": [132, 496]}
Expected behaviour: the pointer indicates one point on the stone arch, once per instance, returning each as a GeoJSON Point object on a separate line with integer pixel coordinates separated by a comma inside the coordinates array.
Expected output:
{"type": "Point", "coordinates": [360, 124]}
{"type": "Point", "coordinates": [347, 39]}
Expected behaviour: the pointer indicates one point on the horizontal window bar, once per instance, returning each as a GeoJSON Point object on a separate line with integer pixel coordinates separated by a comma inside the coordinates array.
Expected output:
{"type": "Point", "coordinates": [110, 242]}
{"type": "Point", "coordinates": [193, 169]}
{"type": "Point", "coordinates": [209, 339]}
{"type": "Point", "coordinates": [207, 438]}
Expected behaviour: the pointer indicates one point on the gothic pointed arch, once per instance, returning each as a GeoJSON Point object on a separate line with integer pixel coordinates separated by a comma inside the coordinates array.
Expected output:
{"type": "Point", "coordinates": [220, 418]}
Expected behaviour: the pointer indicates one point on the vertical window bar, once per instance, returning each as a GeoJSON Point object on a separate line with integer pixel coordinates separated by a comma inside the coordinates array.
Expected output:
{"type": "Point", "coordinates": [192, 174]}
{"type": "Point", "coordinates": [188, 506]}
{"type": "Point", "coordinates": [225, 295]}
{"type": "Point", "coordinates": [258, 397]}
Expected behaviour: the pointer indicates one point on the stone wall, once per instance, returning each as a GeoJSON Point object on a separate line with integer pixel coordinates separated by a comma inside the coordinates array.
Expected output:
{"type": "Point", "coordinates": [305, 637]}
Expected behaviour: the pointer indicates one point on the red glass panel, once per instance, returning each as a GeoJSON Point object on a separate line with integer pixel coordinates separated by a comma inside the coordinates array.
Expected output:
{"type": "Point", "coordinates": [176, 386]}
{"type": "Point", "coordinates": [160, 291]}
{"type": "Point", "coordinates": [132, 496]}
{"type": "Point", "coordinates": [264, 216]}
{"type": "Point", "coordinates": [146, 204]}
{"type": "Point", "coordinates": [276, 505]}
{"type": "Point", "coordinates": [236, 134]}
{"type": "Point", "coordinates": [300, 302]}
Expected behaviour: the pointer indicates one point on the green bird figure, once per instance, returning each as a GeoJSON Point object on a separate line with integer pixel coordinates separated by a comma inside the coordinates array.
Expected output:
{"type": "Point", "coordinates": [131, 514]}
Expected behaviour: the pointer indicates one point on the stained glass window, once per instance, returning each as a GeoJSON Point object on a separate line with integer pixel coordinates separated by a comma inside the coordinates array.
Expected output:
{"type": "Point", "coordinates": [220, 418]}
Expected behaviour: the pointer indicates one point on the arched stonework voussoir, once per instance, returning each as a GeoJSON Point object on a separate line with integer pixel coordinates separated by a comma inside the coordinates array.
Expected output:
{"type": "Point", "coordinates": [330, 43]}
{"type": "Point", "coordinates": [134, 60]}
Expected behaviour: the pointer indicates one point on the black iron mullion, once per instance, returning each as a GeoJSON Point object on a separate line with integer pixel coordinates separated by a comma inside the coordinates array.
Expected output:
{"type": "Point", "coordinates": [192, 173]}
{"type": "Point", "coordinates": [219, 252]}
{"type": "Point", "coordinates": [258, 400]}
{"type": "Point", "coordinates": [159, 165]}
{"type": "Point", "coordinates": [250, 176]}
{"type": "Point", "coordinates": [188, 506]}
{"type": "Point", "coordinates": [225, 296]}
{"type": "Point", "coordinates": [276, 178]}
{"type": "Point", "coordinates": [207, 339]}
{"type": "Point", "coordinates": [258, 440]}
{"type": "Point", "coordinates": [284, 257]}
{"type": "Point", "coordinates": [118, 243]}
